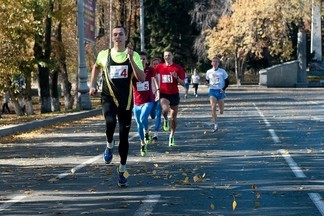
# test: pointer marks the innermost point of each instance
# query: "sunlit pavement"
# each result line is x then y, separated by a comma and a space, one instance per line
266, 159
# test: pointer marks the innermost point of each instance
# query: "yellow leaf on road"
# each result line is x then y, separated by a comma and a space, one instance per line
186, 181
234, 205
212, 206
126, 174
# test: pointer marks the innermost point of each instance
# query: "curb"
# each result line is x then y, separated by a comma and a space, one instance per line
20, 128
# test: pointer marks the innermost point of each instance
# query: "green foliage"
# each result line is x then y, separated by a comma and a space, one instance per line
168, 26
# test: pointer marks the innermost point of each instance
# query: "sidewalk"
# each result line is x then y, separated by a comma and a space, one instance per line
24, 127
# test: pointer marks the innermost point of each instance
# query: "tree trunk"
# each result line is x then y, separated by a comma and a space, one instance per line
18, 109
238, 81
45, 99
15, 102
62, 68
28, 96
55, 97
43, 70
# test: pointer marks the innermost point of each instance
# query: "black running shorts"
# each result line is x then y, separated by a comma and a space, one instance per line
173, 98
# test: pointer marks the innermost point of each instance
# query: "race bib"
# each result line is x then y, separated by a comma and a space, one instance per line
214, 80
167, 78
118, 71
143, 86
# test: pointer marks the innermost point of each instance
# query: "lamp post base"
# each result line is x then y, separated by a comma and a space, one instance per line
84, 101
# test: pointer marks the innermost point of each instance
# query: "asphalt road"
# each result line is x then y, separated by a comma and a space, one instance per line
267, 157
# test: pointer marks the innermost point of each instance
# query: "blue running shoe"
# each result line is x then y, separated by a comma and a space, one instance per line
108, 155
122, 178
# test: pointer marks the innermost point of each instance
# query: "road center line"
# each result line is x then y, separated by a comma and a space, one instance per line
315, 197
292, 164
274, 136
317, 200
262, 116
148, 204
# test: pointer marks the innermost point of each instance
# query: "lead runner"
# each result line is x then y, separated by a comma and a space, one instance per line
119, 65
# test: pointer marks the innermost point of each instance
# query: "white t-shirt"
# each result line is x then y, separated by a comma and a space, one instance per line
216, 78
195, 78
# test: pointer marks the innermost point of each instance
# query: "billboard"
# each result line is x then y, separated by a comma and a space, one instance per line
89, 11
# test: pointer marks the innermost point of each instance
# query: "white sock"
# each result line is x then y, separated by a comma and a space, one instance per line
110, 145
122, 168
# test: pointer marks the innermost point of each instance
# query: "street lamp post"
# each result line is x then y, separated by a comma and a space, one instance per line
142, 25
83, 88
316, 32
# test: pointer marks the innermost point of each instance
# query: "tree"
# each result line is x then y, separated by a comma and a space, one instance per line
168, 26
16, 57
255, 28
42, 49
62, 22
205, 15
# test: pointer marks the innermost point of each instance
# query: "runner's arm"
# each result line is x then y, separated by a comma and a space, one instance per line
94, 74
226, 84
136, 65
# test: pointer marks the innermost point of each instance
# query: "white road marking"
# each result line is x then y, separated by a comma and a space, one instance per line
76, 168
18, 198
262, 116
292, 164
315, 197
317, 200
148, 204
274, 136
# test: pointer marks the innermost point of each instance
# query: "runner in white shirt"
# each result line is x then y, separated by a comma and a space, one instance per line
195, 81
218, 82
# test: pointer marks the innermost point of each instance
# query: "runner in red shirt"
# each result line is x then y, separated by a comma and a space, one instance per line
143, 102
171, 75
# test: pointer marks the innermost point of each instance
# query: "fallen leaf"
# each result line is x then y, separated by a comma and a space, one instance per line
234, 204
257, 204
109, 172
126, 174
212, 206
197, 178
186, 181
